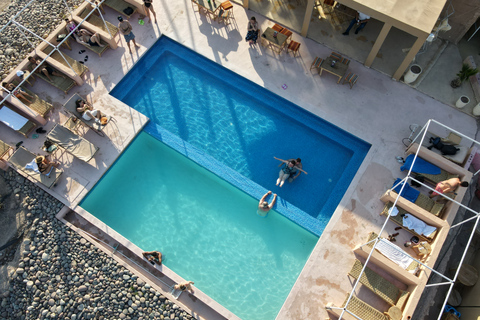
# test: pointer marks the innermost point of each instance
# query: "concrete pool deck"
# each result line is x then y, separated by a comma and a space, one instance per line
377, 110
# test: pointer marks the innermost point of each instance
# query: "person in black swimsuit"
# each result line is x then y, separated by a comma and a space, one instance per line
47, 70
147, 4
88, 38
153, 257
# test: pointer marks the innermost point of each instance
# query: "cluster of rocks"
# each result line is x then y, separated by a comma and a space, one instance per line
41, 17
60, 275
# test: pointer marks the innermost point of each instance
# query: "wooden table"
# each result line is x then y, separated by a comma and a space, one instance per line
395, 313
339, 70
277, 42
210, 7
468, 275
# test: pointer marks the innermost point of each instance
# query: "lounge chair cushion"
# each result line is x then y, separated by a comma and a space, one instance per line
363, 310
12, 119
22, 157
74, 144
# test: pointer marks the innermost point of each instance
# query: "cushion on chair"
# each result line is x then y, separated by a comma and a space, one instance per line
335, 55
346, 61
354, 79
316, 63
277, 27
294, 46
286, 32
227, 5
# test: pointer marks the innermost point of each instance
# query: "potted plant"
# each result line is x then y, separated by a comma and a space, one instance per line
465, 73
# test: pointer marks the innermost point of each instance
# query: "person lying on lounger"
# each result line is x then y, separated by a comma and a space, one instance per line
285, 172
87, 111
88, 38
186, 285
448, 186
19, 93
263, 206
44, 165
46, 70
153, 257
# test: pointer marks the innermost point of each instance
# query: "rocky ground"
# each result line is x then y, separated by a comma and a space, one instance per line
51, 272
41, 17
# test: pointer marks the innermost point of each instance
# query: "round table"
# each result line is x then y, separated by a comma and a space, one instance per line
455, 299
395, 313
468, 275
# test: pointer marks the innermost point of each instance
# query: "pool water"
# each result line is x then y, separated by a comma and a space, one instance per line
243, 126
207, 229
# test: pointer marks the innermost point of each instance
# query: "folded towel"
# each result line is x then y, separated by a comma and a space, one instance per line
420, 166
408, 192
12, 119
394, 253
417, 225
32, 166
393, 211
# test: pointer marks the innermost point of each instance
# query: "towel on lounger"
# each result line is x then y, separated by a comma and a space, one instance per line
420, 166
393, 211
418, 225
32, 166
408, 192
12, 119
394, 253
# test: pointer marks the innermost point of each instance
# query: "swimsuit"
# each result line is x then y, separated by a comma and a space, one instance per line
288, 170
438, 189
147, 4
50, 70
90, 42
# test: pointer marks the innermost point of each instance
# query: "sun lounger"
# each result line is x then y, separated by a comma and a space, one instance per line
431, 172
79, 68
72, 143
64, 84
16, 121
398, 219
401, 259
71, 108
379, 285
98, 22
421, 200
120, 6
4, 149
22, 157
38, 105
362, 309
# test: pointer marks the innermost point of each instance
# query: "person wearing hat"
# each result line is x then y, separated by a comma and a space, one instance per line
45, 166
126, 29
263, 206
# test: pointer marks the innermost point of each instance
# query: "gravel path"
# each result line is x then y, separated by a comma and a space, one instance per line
59, 275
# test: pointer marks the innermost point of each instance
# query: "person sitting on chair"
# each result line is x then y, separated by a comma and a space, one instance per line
45, 166
153, 257
87, 111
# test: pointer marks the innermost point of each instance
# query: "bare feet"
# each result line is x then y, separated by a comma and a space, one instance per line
278, 181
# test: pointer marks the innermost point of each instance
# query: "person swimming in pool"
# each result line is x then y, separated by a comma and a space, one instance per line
153, 257
263, 206
285, 172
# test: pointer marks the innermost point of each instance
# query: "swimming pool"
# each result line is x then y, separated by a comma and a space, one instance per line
203, 218
242, 126
207, 230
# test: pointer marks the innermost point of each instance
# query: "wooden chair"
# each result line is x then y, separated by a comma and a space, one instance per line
336, 56
317, 62
294, 47
224, 16
351, 79
277, 27
227, 6
288, 33
345, 61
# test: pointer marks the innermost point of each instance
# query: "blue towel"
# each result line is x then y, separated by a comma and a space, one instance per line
408, 192
420, 166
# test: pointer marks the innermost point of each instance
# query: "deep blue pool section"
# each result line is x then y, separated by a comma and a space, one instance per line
234, 128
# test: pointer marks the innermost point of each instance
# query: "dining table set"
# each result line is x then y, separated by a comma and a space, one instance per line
336, 65
216, 9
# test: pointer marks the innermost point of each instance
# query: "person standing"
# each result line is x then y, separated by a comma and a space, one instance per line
126, 29
360, 19
147, 4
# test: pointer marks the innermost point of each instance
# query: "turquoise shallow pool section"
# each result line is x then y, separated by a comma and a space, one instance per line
207, 229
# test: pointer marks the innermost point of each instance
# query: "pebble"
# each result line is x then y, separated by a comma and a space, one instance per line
63, 277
